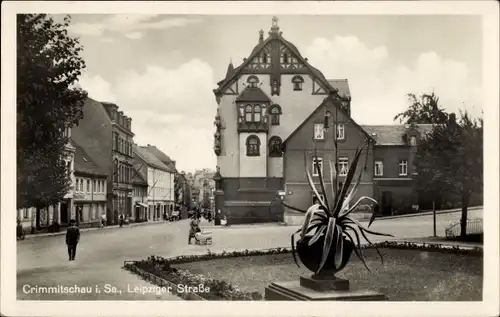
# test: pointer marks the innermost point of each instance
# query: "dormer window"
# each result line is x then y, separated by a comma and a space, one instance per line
253, 81
253, 113
264, 58
285, 58
275, 112
297, 82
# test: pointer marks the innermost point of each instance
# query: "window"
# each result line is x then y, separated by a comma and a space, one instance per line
285, 58
95, 188
297, 82
248, 113
340, 132
343, 166
253, 146
275, 149
115, 173
88, 186
413, 141
319, 132
115, 141
257, 111
68, 167
25, 212
264, 58
317, 164
275, 112
77, 185
379, 168
252, 81
403, 168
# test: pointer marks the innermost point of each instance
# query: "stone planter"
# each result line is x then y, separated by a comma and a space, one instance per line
310, 255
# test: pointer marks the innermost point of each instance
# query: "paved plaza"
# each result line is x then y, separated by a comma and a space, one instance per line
42, 261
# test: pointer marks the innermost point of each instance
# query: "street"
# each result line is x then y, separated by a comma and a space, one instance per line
100, 255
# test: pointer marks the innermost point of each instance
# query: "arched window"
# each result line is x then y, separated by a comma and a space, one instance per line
252, 81
248, 113
275, 147
275, 112
257, 112
297, 82
253, 146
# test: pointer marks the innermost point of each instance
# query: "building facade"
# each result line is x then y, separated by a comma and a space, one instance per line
123, 163
139, 195
271, 116
90, 190
160, 180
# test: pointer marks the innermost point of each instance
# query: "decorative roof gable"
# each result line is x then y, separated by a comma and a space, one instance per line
276, 56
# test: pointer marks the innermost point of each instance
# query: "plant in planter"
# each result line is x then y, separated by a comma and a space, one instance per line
329, 235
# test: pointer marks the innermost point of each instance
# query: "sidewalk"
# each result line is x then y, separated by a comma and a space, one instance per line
442, 241
63, 232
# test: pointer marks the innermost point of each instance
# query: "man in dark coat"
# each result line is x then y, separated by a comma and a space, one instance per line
72, 239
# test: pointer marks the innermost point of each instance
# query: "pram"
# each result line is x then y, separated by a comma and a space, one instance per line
203, 237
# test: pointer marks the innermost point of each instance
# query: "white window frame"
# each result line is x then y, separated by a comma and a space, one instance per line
380, 164
317, 134
344, 161
319, 161
340, 128
413, 140
403, 168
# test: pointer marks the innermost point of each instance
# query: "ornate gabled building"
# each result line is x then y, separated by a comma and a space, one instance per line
260, 103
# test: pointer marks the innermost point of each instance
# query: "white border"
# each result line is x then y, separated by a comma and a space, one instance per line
489, 307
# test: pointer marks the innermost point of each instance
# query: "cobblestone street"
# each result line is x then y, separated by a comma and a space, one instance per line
43, 261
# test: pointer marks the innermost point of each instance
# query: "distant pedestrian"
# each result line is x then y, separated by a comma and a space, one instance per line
72, 239
122, 219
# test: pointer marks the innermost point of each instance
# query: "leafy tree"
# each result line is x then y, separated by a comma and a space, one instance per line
450, 159
422, 110
206, 200
48, 66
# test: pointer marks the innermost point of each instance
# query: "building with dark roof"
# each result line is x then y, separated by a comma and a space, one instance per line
270, 110
160, 180
90, 189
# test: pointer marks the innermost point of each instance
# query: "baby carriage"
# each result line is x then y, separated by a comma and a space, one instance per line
202, 237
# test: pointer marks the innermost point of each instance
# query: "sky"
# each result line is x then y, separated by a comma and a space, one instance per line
161, 69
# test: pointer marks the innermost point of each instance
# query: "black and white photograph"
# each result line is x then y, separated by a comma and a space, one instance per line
251, 154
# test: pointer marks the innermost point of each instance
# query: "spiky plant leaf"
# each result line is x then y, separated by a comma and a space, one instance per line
361, 227
348, 180
321, 182
333, 176
350, 196
327, 245
358, 254
358, 240
374, 214
293, 208
311, 184
360, 200
317, 235
309, 214
293, 250
369, 242
339, 250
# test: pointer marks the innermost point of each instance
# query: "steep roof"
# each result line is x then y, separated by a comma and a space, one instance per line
164, 158
93, 134
149, 158
393, 134
274, 35
84, 163
329, 99
252, 94
342, 85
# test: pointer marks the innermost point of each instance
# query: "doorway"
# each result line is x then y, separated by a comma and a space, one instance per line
387, 203
64, 213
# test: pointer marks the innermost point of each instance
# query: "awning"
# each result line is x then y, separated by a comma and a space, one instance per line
141, 204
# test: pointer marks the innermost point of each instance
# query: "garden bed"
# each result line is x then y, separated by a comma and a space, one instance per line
410, 272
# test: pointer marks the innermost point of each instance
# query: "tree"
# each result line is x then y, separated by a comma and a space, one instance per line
423, 110
450, 159
48, 66
206, 200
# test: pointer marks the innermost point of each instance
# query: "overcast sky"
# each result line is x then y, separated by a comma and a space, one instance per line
161, 69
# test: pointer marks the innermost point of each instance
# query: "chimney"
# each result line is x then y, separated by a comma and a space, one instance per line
261, 36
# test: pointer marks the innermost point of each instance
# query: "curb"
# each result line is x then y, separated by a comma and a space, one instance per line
246, 226
60, 233
427, 213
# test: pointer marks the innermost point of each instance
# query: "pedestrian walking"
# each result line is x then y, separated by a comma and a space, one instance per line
72, 239
122, 220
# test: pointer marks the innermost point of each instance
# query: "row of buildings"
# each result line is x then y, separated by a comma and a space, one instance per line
111, 175
274, 111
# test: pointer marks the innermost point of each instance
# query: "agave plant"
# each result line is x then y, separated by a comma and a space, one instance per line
329, 222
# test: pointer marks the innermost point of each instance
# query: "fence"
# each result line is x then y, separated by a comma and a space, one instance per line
474, 227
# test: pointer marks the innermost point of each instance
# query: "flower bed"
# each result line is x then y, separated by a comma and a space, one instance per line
219, 277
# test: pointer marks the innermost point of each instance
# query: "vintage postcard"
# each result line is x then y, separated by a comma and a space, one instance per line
250, 158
